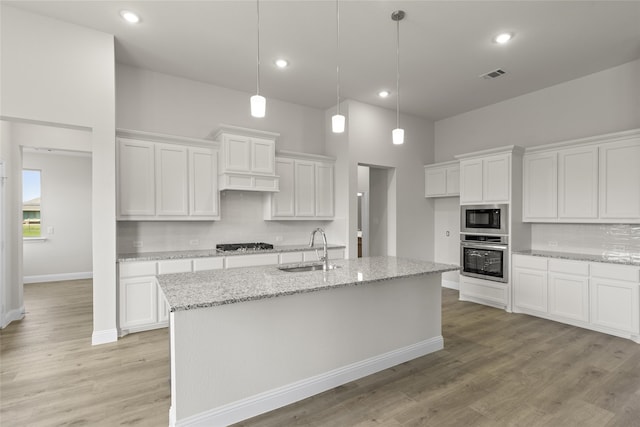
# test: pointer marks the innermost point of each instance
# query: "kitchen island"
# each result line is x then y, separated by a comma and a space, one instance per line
249, 340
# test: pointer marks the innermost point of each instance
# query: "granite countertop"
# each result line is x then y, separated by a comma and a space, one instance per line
158, 256
633, 260
185, 291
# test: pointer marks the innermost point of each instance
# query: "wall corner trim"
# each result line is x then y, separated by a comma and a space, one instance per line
12, 315
104, 336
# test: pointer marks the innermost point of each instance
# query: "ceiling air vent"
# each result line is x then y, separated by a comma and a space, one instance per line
493, 74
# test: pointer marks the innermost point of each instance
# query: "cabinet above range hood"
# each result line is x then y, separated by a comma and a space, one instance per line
247, 159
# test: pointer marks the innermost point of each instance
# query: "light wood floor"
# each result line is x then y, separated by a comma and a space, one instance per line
497, 369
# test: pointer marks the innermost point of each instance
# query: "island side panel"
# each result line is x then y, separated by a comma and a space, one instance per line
224, 355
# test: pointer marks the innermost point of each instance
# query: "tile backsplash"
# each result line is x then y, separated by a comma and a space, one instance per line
612, 241
242, 221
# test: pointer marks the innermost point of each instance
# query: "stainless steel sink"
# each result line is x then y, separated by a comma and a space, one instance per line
302, 268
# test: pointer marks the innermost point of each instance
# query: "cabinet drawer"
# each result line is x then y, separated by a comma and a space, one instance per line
288, 257
133, 269
533, 262
569, 267
616, 272
251, 260
213, 263
174, 266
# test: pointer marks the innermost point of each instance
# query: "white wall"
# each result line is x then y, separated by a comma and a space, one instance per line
62, 74
367, 141
66, 207
155, 102
604, 102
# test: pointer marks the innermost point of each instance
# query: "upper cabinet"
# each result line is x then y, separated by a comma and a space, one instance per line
593, 180
247, 160
162, 177
306, 188
442, 179
486, 177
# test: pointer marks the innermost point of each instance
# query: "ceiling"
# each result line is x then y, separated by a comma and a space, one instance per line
444, 46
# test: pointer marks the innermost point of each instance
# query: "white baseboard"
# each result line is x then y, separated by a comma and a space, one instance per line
12, 315
285, 395
104, 337
58, 277
450, 284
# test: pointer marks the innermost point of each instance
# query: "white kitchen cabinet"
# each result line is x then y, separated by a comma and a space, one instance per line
305, 184
306, 188
615, 305
162, 180
313, 255
204, 198
569, 289
486, 179
172, 180
282, 202
529, 284
620, 180
247, 159
488, 292
540, 186
251, 260
138, 303
136, 178
442, 179
324, 190
591, 180
291, 257
578, 183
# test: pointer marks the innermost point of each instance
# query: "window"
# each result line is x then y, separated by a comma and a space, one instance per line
31, 203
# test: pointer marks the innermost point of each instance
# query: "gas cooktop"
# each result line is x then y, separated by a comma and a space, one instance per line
243, 247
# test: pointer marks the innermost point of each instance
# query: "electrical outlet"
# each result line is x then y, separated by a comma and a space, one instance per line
278, 238
446, 233
50, 229
137, 243
194, 242
553, 243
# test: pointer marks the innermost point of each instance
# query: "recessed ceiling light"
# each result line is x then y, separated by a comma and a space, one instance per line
282, 63
503, 38
384, 93
129, 16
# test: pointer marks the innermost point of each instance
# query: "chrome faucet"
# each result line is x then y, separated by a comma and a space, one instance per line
325, 254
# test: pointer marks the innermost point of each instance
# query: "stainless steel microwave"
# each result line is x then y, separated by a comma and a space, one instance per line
484, 219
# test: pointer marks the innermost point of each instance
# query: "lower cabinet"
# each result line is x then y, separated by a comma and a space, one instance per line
599, 296
488, 292
138, 303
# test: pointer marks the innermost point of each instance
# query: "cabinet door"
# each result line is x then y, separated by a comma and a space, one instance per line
282, 204
203, 182
578, 183
136, 178
620, 180
305, 188
237, 153
172, 183
615, 304
251, 260
569, 296
435, 182
324, 190
540, 186
453, 181
138, 302
530, 289
262, 156
496, 179
471, 181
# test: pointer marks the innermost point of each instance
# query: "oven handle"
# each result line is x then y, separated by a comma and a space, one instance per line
483, 246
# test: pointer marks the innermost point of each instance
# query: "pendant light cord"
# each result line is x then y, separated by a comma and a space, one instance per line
258, 53
398, 73
337, 57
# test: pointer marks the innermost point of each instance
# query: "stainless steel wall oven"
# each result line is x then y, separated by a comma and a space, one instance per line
485, 257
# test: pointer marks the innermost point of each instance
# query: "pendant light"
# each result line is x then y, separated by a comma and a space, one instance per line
337, 121
398, 133
258, 102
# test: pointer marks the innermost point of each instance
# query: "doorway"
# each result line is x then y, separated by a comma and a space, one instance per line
376, 225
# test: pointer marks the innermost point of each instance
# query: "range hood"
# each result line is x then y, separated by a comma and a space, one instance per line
247, 159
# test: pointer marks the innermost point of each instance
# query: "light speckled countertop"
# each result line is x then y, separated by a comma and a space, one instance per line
203, 253
185, 291
633, 260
